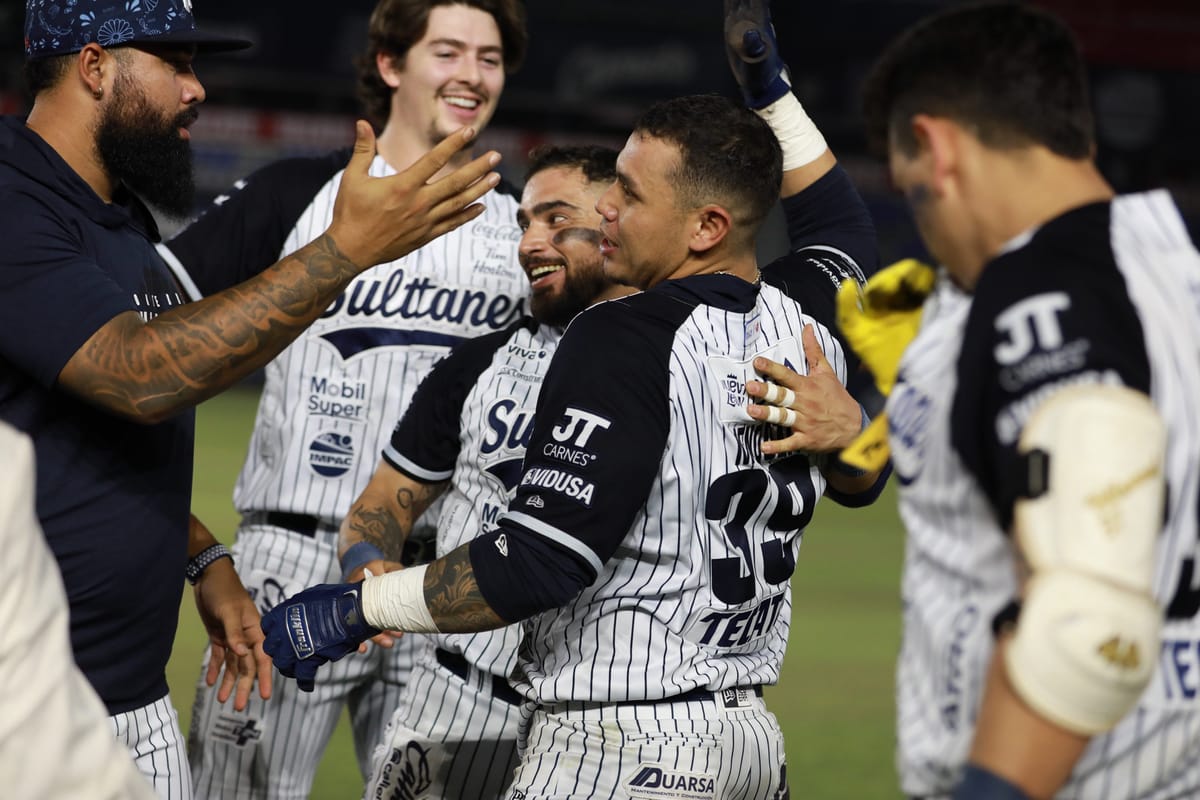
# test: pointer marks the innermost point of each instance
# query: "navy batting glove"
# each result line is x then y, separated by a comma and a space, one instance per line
754, 53
316, 626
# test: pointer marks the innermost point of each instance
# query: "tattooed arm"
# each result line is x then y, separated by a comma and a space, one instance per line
453, 596
385, 512
148, 371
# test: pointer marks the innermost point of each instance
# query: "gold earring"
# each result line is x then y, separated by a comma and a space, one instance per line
98, 92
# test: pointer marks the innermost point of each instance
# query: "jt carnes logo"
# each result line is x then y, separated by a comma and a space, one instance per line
577, 426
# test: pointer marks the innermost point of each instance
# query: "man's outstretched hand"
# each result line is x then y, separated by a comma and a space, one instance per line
376, 220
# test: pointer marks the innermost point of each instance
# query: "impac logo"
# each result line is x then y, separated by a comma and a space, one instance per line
578, 426
331, 455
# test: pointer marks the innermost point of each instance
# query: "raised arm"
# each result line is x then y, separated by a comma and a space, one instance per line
754, 57
830, 231
149, 370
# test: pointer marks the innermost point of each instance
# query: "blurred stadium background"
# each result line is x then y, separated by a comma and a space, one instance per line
592, 67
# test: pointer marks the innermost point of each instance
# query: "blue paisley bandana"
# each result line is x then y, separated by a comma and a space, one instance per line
55, 27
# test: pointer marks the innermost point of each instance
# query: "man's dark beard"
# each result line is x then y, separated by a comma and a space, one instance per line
578, 292
144, 150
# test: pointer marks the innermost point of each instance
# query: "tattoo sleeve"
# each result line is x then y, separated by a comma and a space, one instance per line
453, 595
150, 370
386, 525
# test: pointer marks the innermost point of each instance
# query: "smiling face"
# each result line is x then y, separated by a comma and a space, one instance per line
560, 243
452, 77
645, 232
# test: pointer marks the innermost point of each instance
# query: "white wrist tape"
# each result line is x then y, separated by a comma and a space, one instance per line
395, 601
798, 137
1087, 641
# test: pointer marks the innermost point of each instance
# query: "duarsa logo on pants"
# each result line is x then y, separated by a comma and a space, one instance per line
655, 782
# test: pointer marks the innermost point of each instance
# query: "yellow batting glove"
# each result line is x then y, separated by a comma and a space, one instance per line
881, 318
870, 450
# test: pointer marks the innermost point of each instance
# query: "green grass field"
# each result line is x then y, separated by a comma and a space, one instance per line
835, 697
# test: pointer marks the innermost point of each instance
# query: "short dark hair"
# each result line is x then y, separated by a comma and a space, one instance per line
396, 25
598, 164
727, 154
1012, 74
44, 73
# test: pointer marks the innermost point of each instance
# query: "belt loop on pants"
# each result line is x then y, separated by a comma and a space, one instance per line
455, 662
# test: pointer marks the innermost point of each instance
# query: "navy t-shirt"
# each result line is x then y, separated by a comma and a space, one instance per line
112, 495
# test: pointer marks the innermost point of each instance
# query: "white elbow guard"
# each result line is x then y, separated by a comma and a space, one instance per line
1088, 635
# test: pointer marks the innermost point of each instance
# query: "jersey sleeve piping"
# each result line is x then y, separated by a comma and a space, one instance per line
413, 469
559, 537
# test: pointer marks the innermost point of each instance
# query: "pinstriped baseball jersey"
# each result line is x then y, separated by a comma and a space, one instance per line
947, 608
330, 395
469, 423
643, 416
1107, 293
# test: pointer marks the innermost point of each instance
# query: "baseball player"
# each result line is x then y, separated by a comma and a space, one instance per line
431, 66
464, 433
651, 540
1041, 426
